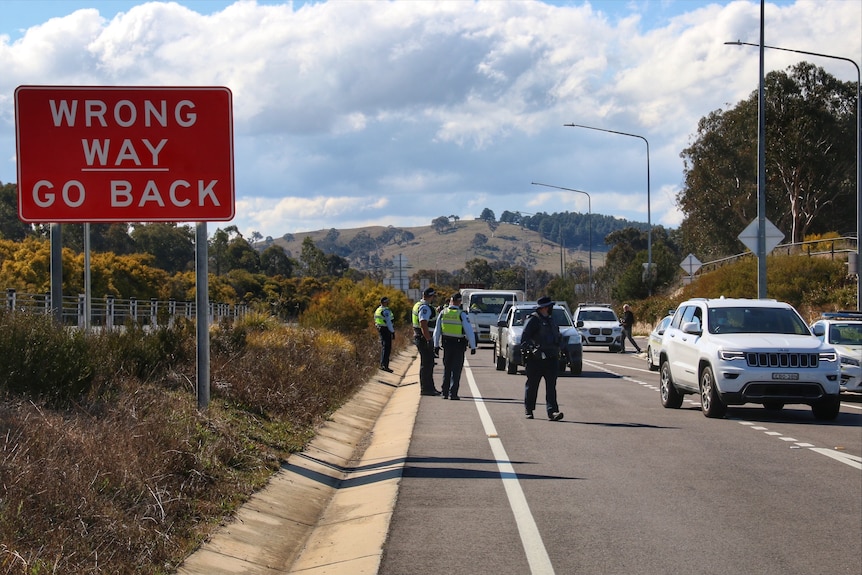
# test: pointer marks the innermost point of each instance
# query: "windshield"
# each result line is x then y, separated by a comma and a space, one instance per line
561, 318
488, 303
756, 320
521, 315
597, 315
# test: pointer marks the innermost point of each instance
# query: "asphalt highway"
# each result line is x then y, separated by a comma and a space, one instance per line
398, 484
622, 485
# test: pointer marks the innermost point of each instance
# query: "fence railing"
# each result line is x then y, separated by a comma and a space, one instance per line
111, 312
833, 248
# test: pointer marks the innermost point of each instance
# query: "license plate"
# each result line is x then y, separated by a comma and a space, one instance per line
786, 376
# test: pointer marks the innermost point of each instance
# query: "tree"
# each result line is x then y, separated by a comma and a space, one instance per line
810, 163
275, 262
441, 224
487, 215
172, 246
11, 228
479, 241
478, 270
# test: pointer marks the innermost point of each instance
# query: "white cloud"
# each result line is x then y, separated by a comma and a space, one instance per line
354, 113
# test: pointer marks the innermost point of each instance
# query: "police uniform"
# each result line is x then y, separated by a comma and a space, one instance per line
454, 331
543, 335
383, 323
423, 311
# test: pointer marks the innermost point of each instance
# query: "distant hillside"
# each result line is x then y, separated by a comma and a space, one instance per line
426, 248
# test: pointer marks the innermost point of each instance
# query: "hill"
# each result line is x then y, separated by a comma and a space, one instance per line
427, 248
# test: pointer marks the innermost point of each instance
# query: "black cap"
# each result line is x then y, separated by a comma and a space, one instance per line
545, 301
456, 296
429, 292
384, 300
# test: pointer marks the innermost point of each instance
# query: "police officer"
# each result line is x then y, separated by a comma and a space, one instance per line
424, 316
383, 323
540, 347
453, 329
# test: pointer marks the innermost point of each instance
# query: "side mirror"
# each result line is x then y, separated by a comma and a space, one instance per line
501, 323
819, 330
692, 327
580, 323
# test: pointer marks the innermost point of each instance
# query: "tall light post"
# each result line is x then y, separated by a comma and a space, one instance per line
858, 153
589, 222
649, 216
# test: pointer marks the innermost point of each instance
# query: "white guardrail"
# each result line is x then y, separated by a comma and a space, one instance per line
110, 311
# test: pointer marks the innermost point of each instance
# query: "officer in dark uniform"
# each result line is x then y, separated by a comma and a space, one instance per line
540, 347
424, 320
383, 323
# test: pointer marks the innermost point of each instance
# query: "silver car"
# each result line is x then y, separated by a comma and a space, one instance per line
654, 342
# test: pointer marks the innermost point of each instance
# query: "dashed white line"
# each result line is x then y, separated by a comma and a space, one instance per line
847, 459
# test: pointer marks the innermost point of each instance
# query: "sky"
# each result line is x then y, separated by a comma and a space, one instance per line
354, 113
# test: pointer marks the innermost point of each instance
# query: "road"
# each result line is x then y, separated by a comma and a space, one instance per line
622, 485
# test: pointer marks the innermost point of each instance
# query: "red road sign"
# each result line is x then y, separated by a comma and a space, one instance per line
124, 154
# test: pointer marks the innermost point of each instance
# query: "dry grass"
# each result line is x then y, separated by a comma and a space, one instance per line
449, 251
130, 477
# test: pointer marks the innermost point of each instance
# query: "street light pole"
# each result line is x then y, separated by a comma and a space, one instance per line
858, 153
649, 217
589, 223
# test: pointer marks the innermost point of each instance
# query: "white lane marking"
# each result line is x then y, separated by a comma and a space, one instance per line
534, 547
846, 458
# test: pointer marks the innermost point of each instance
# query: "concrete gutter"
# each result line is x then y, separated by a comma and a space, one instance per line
327, 511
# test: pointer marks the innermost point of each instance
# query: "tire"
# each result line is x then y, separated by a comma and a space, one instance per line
652, 366
710, 403
511, 368
826, 410
577, 368
671, 398
773, 406
499, 359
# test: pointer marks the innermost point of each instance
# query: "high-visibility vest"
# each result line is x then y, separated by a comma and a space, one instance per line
451, 325
416, 307
379, 320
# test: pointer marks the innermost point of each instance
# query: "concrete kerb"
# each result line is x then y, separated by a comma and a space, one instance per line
327, 511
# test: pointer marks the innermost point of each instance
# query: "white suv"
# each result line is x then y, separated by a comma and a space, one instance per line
843, 330
599, 325
736, 351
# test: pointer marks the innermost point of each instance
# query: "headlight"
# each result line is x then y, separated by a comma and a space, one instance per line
847, 360
830, 356
727, 355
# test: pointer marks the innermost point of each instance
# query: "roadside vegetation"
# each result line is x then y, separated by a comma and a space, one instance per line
106, 464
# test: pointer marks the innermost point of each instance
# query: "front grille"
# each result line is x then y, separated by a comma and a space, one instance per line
601, 331
776, 359
782, 391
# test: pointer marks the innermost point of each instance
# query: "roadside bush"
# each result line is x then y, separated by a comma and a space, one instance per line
145, 355
128, 477
40, 361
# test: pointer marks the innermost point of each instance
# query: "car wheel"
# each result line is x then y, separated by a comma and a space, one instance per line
501, 361
511, 367
826, 410
710, 403
671, 398
650, 363
577, 368
773, 406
